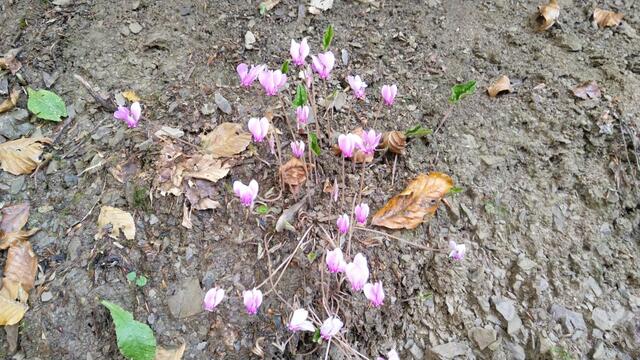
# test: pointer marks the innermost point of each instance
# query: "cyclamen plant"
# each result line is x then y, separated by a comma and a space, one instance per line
304, 106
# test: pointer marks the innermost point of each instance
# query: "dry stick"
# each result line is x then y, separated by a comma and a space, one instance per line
273, 287
104, 102
422, 247
393, 170
285, 263
624, 143
444, 119
359, 197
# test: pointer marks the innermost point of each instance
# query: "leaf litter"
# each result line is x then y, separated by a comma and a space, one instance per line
605, 18
500, 86
587, 90
22, 156
119, 220
11, 102
548, 15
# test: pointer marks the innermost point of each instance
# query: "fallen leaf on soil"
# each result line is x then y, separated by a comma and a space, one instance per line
207, 168
11, 102
587, 90
226, 140
10, 62
171, 352
169, 131
125, 171
394, 141
501, 86
131, 95
548, 14
200, 194
21, 266
11, 311
170, 170
186, 217
119, 219
285, 219
293, 173
606, 18
22, 156
415, 204
14, 217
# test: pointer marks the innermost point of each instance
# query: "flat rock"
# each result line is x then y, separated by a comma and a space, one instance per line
449, 350
249, 40
506, 308
605, 320
187, 300
223, 104
9, 127
135, 27
571, 320
483, 337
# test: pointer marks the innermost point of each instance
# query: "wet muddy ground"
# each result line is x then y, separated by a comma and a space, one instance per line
550, 207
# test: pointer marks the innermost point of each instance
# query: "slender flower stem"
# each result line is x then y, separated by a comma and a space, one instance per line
286, 262
343, 176
444, 119
357, 196
376, 114
326, 355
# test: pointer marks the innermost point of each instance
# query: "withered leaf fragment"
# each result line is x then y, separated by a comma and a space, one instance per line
394, 141
502, 85
417, 203
226, 140
293, 173
207, 168
606, 18
10, 62
119, 219
22, 156
587, 90
21, 266
548, 14
170, 352
11, 102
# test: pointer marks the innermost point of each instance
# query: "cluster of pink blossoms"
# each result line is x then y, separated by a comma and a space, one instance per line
252, 299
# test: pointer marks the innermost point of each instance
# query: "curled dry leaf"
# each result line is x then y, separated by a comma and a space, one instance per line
14, 217
22, 156
11, 311
170, 170
10, 62
207, 168
548, 14
21, 266
226, 140
587, 90
119, 219
501, 86
200, 194
394, 141
11, 102
294, 173
415, 204
606, 18
170, 352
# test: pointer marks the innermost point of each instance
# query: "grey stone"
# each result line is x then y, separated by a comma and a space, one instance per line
506, 308
571, 42
472, 218
517, 351
602, 319
207, 109
4, 86
70, 180
16, 185
223, 104
593, 285
187, 300
449, 350
483, 337
46, 296
514, 325
135, 27
416, 352
340, 100
525, 263
249, 40
571, 320
491, 160
8, 123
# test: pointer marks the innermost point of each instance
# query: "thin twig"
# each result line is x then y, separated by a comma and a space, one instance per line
104, 102
285, 263
422, 247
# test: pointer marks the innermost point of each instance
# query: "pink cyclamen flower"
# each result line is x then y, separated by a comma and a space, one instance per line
297, 148
343, 223
370, 141
247, 194
212, 298
272, 81
308, 77
323, 64
248, 76
299, 52
374, 292
362, 212
252, 300
389, 94
357, 85
347, 143
330, 327
130, 116
335, 261
299, 321
457, 250
258, 128
302, 115
357, 272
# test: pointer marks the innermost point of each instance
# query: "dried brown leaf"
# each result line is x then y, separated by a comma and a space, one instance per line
14, 217
119, 219
226, 140
8, 239
11, 102
170, 352
548, 14
10, 62
606, 18
131, 95
502, 85
415, 204
293, 173
22, 156
200, 193
21, 265
11, 311
186, 217
207, 168
587, 90
394, 141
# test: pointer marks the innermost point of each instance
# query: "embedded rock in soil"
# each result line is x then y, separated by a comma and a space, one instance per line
8, 127
187, 300
571, 320
449, 350
483, 337
223, 104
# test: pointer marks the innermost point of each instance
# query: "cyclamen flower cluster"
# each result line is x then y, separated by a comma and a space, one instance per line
131, 116
368, 143
357, 274
252, 300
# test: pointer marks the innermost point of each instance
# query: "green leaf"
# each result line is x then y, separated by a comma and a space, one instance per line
327, 38
141, 281
46, 105
314, 145
418, 131
262, 209
285, 67
263, 8
312, 256
455, 190
316, 337
135, 339
132, 276
301, 96
459, 91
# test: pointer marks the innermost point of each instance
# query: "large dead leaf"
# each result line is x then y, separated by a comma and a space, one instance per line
200, 194
11, 311
11, 102
170, 353
501, 86
10, 62
293, 173
22, 156
14, 217
226, 140
606, 18
170, 170
415, 204
587, 90
21, 266
207, 168
548, 14
119, 219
